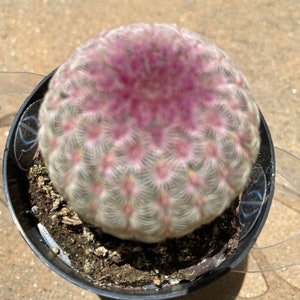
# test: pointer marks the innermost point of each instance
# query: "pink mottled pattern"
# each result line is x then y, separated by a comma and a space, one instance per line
149, 131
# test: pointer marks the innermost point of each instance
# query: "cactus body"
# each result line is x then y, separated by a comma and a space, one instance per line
149, 131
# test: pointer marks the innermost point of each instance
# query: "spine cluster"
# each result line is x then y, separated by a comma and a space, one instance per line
149, 131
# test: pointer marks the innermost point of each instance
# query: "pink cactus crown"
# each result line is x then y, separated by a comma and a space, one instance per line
150, 76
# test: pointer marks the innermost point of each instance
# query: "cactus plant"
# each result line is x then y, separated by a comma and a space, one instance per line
149, 131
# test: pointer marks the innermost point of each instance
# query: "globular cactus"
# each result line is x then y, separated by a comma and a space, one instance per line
149, 131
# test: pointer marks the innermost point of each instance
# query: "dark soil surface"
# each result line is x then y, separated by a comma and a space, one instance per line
109, 261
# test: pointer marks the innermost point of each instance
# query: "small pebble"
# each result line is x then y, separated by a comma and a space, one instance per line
56, 204
55, 250
156, 281
174, 281
35, 210
71, 221
101, 251
41, 181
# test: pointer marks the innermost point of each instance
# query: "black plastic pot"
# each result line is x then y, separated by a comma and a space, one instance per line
20, 148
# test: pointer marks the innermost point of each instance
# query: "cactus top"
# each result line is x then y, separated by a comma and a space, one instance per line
149, 131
